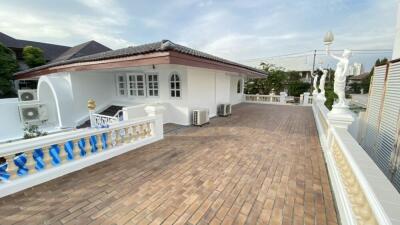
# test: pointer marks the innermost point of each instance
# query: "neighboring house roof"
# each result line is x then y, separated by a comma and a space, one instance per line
8, 41
87, 48
50, 51
175, 54
359, 77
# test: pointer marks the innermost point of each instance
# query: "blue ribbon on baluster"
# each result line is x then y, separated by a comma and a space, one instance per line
81, 145
4, 175
69, 149
55, 155
20, 161
93, 143
104, 140
38, 157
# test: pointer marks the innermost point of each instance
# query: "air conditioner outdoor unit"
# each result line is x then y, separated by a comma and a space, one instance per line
200, 117
33, 114
224, 109
27, 95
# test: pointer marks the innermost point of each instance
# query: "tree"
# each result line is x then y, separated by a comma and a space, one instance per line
8, 66
33, 56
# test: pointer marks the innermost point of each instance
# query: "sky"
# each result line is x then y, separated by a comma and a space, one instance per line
239, 30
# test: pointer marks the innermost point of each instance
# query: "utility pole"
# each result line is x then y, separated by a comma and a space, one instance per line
313, 64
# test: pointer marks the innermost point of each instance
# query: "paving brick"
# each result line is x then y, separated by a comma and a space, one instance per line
262, 165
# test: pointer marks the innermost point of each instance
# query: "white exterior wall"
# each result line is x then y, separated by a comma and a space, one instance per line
11, 125
200, 88
236, 98
208, 88
98, 86
176, 108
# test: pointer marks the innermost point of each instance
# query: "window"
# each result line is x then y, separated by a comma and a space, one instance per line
239, 86
152, 84
175, 85
136, 84
121, 85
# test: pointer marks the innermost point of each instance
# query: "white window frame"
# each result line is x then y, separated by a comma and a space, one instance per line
175, 89
118, 82
134, 90
152, 85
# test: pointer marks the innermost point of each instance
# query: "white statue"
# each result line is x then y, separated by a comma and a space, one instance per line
321, 95
315, 80
340, 76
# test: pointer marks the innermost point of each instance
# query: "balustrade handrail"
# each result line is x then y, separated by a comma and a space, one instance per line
44, 141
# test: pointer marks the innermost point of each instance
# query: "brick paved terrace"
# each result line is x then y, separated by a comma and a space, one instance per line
262, 165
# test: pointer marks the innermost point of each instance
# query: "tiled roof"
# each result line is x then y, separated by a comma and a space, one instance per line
87, 48
8, 41
50, 51
162, 46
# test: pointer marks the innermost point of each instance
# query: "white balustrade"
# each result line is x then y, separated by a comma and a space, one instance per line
279, 99
26, 163
362, 192
264, 99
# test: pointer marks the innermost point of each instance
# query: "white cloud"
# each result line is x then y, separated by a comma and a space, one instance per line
62, 29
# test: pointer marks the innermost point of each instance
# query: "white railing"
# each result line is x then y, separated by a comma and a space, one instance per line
26, 163
278, 99
362, 192
274, 99
103, 120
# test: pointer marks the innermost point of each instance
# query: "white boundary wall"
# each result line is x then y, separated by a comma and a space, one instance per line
362, 192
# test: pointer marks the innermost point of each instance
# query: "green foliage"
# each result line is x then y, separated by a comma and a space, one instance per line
32, 131
8, 66
33, 56
297, 88
277, 81
329, 94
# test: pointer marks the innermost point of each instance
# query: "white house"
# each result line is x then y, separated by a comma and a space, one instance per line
178, 77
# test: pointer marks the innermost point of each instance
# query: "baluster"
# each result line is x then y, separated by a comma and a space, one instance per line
142, 131
46, 157
10, 168
4, 175
149, 129
30, 162
127, 135
20, 161
104, 140
38, 157
63, 154
131, 133
109, 139
99, 138
93, 143
69, 150
88, 147
137, 133
54, 152
82, 147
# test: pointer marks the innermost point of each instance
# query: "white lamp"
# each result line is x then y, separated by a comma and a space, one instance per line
328, 39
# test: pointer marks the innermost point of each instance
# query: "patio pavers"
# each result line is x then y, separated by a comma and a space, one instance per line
262, 165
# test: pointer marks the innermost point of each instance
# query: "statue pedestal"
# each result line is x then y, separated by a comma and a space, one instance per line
341, 116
